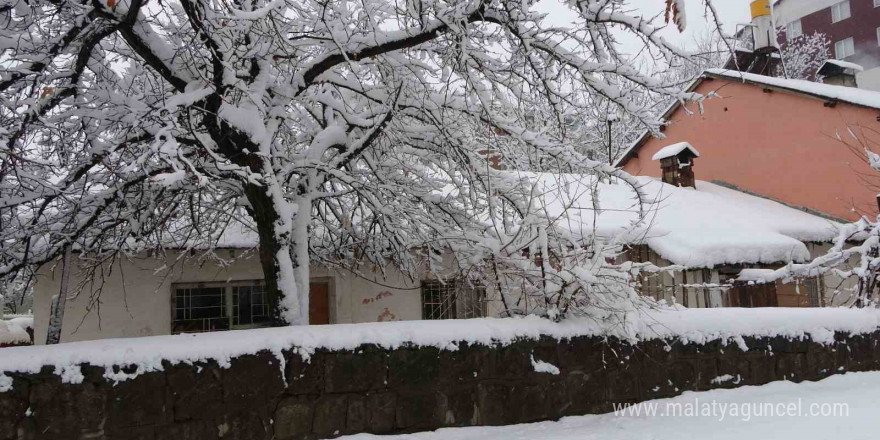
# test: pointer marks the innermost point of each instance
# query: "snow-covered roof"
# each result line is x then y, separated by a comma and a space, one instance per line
674, 150
237, 234
851, 95
843, 64
709, 226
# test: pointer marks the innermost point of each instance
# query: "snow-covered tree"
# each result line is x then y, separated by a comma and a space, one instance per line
343, 131
803, 55
16, 293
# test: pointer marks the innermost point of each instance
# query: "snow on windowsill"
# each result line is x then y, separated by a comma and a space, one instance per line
688, 325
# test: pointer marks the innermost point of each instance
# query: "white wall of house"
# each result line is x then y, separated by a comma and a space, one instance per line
869, 79
135, 298
837, 291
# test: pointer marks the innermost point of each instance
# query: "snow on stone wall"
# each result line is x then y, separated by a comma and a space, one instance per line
388, 386
687, 325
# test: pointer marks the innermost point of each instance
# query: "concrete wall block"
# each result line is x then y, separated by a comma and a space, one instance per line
331, 413
348, 372
414, 367
14, 404
293, 418
421, 411
382, 411
461, 406
196, 392
733, 365
305, 375
252, 381
467, 364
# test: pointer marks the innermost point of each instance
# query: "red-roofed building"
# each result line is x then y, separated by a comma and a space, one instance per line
788, 140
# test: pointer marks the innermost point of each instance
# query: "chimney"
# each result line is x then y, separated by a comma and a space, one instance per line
839, 73
763, 34
677, 164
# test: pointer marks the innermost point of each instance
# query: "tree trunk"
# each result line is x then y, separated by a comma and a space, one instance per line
59, 302
265, 215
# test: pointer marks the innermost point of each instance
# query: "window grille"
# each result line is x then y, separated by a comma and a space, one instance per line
201, 309
249, 305
452, 300
211, 307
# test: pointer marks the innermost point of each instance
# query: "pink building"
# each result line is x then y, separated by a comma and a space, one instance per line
797, 142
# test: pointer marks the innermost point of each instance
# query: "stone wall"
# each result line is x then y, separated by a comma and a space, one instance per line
378, 390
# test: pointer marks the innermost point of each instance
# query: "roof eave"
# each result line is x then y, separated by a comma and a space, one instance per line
666, 114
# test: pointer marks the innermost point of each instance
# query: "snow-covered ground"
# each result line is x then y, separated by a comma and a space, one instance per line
790, 405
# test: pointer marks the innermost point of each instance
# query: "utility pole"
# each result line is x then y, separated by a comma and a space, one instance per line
609, 119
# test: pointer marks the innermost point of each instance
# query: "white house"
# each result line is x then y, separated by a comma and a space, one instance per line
711, 230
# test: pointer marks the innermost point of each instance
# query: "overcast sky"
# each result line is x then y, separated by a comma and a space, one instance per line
731, 12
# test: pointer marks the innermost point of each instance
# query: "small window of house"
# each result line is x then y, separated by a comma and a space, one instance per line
840, 11
878, 35
876, 3
208, 307
199, 309
844, 48
452, 299
794, 30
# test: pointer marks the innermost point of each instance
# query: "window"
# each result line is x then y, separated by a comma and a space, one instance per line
249, 305
199, 309
844, 48
208, 307
878, 35
876, 3
794, 30
840, 11
452, 300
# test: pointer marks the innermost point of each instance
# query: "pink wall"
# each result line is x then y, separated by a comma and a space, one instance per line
780, 144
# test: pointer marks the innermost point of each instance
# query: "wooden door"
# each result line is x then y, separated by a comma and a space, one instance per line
753, 295
319, 302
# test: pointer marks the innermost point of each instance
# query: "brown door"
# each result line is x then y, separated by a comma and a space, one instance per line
319, 303
753, 295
